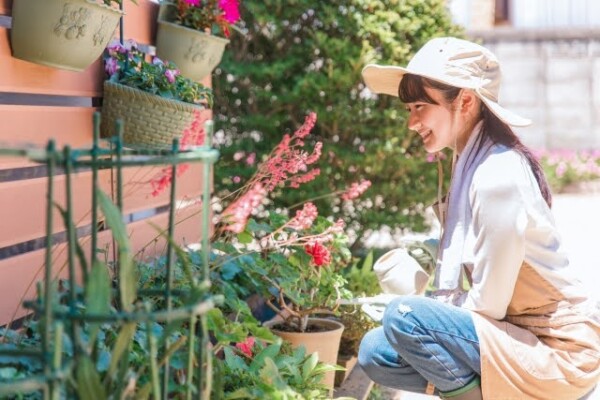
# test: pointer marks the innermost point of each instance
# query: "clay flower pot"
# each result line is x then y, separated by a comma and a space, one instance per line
66, 34
324, 339
195, 53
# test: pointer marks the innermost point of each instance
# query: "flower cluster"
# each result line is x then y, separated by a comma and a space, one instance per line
126, 64
565, 167
193, 135
293, 261
356, 189
288, 163
219, 15
319, 253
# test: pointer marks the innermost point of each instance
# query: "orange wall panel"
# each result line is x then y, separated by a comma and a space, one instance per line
23, 206
140, 21
35, 125
24, 77
19, 274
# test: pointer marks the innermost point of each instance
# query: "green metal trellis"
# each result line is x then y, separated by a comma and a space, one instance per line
53, 380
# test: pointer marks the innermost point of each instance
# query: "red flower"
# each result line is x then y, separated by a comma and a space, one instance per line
246, 346
319, 253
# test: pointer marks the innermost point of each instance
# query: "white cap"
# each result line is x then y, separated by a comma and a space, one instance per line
452, 61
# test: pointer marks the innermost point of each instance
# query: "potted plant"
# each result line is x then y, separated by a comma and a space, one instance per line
293, 259
66, 34
193, 33
154, 101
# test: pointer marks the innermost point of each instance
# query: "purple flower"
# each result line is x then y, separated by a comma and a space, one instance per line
115, 48
171, 74
111, 66
130, 45
157, 61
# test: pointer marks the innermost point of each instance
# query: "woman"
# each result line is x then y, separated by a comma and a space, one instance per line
523, 328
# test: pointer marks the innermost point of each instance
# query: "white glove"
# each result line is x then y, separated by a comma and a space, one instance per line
373, 306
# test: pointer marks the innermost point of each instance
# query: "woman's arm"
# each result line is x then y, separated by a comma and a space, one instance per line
499, 199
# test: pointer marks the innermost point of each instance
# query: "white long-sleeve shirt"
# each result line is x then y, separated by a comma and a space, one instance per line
499, 219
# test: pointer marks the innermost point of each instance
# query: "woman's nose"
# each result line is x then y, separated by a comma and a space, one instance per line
413, 122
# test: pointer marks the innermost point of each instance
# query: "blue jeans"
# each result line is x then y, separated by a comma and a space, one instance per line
422, 340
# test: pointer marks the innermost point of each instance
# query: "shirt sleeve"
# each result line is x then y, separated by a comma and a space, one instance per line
499, 207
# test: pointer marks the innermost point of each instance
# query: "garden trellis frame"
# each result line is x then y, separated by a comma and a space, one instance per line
59, 322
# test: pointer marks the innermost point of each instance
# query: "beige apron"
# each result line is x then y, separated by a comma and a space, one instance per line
547, 347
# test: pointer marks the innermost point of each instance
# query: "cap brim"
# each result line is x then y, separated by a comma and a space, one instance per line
385, 79
505, 115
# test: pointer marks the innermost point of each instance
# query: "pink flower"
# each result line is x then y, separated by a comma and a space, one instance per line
237, 213
171, 74
195, 3
304, 218
238, 155
251, 159
356, 189
320, 254
231, 9
237, 179
111, 66
193, 135
246, 346
287, 160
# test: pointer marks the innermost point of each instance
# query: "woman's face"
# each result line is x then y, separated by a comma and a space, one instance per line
435, 123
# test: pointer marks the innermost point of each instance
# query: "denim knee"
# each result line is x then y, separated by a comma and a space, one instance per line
398, 316
370, 346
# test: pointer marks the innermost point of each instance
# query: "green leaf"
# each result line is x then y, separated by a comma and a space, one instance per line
127, 273
121, 346
89, 386
309, 365
233, 361
259, 359
367, 265
245, 237
97, 295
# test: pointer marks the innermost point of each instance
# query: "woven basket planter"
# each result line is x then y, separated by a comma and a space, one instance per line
150, 121
66, 34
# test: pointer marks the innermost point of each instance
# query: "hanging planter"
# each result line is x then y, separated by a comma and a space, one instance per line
195, 53
66, 34
150, 121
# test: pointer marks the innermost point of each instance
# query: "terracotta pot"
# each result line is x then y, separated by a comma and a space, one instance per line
326, 343
66, 34
194, 53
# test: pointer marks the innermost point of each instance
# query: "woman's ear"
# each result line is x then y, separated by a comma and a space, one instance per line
469, 103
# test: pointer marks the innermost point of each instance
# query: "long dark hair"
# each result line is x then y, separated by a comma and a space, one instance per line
412, 89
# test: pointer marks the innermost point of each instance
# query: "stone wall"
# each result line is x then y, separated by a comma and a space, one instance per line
552, 77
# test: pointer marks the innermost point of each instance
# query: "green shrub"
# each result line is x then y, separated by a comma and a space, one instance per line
306, 55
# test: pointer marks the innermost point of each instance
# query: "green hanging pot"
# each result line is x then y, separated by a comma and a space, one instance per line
66, 34
194, 53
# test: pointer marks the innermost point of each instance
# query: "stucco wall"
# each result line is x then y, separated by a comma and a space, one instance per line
552, 77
